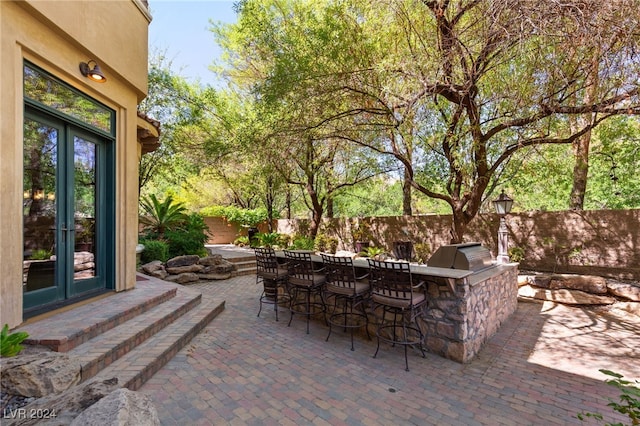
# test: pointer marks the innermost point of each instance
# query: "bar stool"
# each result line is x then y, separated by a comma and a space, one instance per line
344, 285
273, 276
393, 291
303, 278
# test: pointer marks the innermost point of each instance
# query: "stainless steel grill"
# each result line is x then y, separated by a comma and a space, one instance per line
467, 256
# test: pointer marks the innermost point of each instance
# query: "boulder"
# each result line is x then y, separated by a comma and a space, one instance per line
39, 374
187, 260
564, 296
187, 277
62, 408
214, 259
222, 268
120, 407
183, 269
587, 283
624, 290
160, 273
152, 267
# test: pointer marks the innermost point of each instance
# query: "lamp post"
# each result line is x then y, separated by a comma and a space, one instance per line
503, 206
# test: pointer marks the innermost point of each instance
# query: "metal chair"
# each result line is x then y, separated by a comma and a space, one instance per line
271, 275
303, 278
393, 291
345, 286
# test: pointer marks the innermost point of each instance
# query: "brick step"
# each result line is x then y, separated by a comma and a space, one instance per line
66, 330
135, 367
104, 349
244, 271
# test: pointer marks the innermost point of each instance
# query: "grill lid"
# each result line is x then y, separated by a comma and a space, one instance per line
466, 256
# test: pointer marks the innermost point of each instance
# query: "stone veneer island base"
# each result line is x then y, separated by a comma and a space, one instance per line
462, 314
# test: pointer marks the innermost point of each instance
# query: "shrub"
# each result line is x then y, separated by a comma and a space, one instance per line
10, 344
301, 242
629, 404
325, 243
241, 241
372, 252
161, 216
154, 250
270, 239
185, 242
516, 254
423, 252
41, 254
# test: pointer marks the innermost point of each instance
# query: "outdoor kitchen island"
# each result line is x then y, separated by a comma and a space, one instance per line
467, 304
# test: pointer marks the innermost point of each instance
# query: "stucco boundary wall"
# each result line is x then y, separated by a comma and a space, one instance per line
598, 242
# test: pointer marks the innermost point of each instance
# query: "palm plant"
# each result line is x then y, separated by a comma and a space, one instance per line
160, 216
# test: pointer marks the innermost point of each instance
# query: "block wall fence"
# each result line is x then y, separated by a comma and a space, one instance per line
598, 242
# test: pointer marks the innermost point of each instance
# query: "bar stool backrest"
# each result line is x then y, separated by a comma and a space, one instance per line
391, 280
340, 272
300, 266
266, 261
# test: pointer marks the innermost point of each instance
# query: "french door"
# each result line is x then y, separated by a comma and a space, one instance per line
65, 215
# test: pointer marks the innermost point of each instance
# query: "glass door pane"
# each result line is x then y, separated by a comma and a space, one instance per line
41, 146
84, 213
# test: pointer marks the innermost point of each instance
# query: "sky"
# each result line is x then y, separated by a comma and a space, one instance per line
180, 28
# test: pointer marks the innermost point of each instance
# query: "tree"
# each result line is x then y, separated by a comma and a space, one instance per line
480, 81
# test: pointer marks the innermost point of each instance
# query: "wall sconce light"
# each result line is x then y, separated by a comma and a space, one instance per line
94, 73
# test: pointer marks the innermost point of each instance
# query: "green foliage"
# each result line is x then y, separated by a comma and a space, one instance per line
10, 344
423, 252
301, 242
160, 216
371, 252
154, 250
629, 401
189, 238
41, 254
243, 217
516, 254
325, 243
269, 239
241, 241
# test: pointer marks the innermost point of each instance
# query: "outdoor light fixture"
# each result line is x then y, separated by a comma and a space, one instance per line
503, 206
94, 73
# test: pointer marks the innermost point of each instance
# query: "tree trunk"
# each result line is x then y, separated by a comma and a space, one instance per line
581, 145
406, 194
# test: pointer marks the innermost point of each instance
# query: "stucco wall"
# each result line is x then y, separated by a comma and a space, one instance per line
57, 36
602, 242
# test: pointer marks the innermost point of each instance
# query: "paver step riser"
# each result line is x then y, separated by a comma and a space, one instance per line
248, 258
93, 364
241, 272
134, 377
67, 343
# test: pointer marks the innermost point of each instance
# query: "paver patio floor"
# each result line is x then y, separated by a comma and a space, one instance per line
540, 368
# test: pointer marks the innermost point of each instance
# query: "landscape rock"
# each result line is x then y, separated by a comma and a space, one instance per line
152, 267
121, 407
65, 406
624, 290
39, 374
214, 259
186, 260
565, 296
587, 283
177, 270
187, 277
160, 273
630, 307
